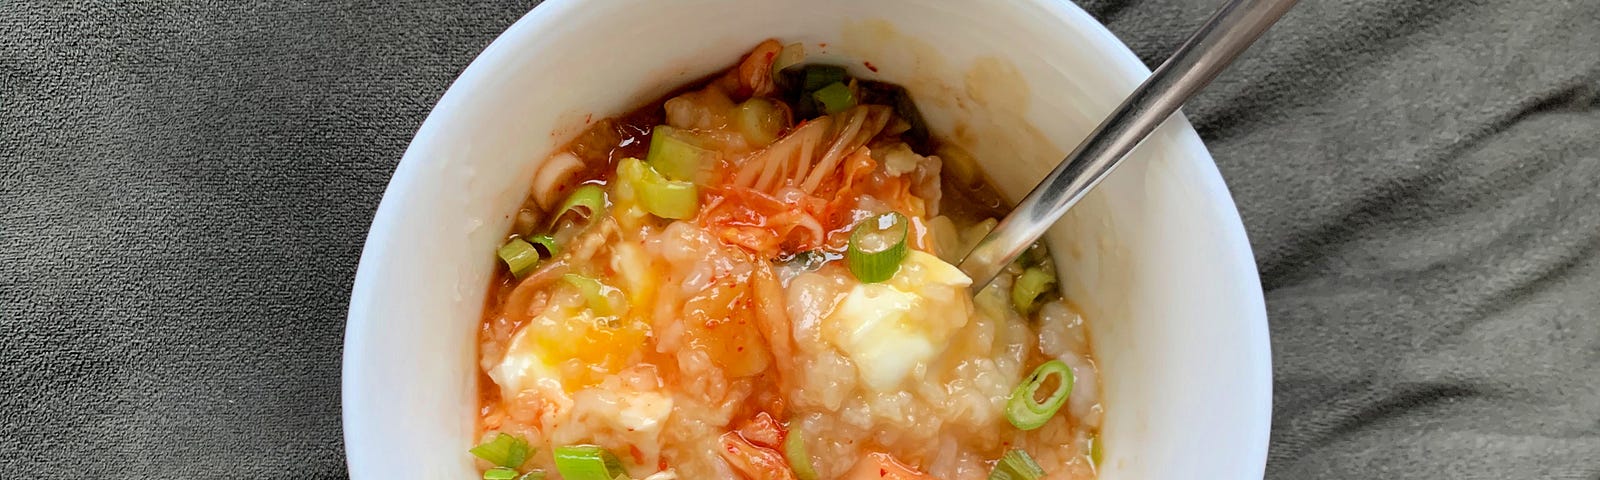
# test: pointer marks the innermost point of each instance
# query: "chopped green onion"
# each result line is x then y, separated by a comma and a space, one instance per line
802, 80
835, 98
792, 54
877, 246
674, 154
499, 473
759, 121
662, 197
519, 255
587, 202
1035, 255
533, 475
505, 450
588, 462
1029, 286
594, 293
818, 76
1095, 453
1015, 464
546, 245
669, 199
794, 449
1027, 413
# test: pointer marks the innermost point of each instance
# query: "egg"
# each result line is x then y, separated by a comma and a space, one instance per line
524, 367
887, 329
636, 272
566, 347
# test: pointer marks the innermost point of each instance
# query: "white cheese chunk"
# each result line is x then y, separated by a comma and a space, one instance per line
888, 329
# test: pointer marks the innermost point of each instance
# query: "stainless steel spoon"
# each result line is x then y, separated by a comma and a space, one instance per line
1229, 31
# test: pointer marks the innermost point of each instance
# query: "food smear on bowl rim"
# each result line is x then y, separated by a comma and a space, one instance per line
754, 278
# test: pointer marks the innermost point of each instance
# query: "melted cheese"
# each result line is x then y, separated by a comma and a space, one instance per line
524, 367
888, 329
567, 347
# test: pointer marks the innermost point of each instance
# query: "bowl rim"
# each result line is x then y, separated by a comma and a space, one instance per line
408, 174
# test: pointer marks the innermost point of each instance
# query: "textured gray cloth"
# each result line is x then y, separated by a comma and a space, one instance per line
185, 187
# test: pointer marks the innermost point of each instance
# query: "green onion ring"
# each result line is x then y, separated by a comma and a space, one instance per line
504, 450
792, 54
1029, 286
1015, 464
594, 293
533, 475
794, 449
877, 245
835, 98
674, 154
587, 202
520, 256
587, 462
546, 245
1026, 413
661, 197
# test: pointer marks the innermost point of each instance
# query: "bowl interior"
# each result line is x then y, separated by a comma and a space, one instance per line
1156, 257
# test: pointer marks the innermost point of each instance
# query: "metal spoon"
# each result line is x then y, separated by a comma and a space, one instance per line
1229, 31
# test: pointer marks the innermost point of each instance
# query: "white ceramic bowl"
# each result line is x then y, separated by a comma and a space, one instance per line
1156, 257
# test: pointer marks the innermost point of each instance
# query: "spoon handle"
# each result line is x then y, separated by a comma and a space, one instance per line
1229, 31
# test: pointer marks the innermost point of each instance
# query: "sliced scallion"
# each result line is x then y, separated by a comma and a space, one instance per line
818, 76
499, 473
1024, 410
877, 245
670, 199
658, 195
759, 121
593, 292
504, 450
1096, 452
1029, 286
674, 154
545, 244
794, 449
792, 54
587, 202
1035, 255
835, 98
533, 475
519, 255
588, 462
1015, 464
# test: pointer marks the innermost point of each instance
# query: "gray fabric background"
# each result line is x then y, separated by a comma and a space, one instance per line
185, 187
